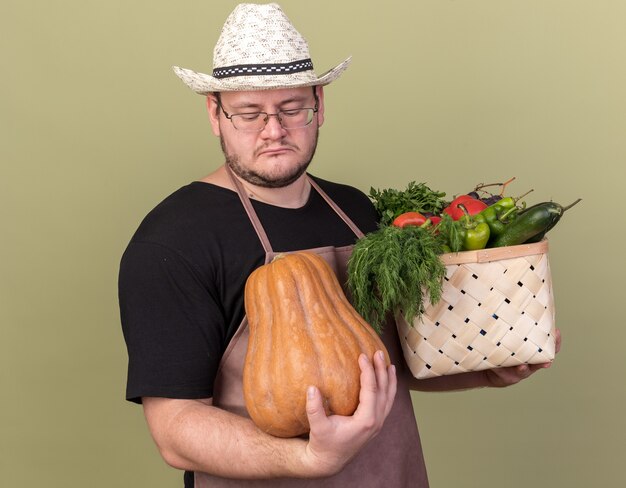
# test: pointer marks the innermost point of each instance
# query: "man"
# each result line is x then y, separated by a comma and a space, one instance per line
183, 273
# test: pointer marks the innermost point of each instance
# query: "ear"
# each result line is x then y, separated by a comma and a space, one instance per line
214, 115
320, 109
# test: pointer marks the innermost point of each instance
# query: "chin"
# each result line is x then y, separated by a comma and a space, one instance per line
278, 179
278, 176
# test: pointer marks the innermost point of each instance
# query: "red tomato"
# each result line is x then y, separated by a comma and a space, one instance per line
409, 218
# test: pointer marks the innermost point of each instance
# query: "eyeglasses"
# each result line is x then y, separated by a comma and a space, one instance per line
256, 121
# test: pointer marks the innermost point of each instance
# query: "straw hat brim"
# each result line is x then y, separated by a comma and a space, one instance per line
204, 84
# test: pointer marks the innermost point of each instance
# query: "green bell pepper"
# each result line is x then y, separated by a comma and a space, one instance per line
476, 233
499, 215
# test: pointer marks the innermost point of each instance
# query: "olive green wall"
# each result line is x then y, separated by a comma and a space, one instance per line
96, 129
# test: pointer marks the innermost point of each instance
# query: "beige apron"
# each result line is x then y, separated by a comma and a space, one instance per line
393, 459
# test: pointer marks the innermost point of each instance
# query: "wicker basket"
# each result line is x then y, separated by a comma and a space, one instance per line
497, 309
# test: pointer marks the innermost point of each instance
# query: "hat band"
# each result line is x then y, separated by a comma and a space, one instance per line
263, 69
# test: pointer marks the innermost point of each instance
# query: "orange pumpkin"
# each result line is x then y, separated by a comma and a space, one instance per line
303, 331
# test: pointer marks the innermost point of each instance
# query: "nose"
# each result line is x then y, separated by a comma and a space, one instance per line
273, 128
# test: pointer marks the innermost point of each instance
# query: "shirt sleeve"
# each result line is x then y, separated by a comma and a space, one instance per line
172, 325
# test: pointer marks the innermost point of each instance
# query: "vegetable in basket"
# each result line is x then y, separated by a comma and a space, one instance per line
497, 217
394, 268
476, 232
410, 218
397, 266
418, 197
464, 204
532, 224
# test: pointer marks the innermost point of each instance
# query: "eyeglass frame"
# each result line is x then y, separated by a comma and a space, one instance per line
267, 115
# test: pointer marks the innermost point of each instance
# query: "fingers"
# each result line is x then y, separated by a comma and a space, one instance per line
393, 388
389, 372
378, 386
386, 385
315, 408
381, 373
557, 337
501, 377
511, 375
335, 439
367, 395
378, 390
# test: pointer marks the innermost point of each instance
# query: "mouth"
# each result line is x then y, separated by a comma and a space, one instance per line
274, 151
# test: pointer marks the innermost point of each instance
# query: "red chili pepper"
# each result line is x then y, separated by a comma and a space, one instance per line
409, 218
472, 205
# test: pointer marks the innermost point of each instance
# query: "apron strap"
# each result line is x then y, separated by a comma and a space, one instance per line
247, 205
256, 223
336, 208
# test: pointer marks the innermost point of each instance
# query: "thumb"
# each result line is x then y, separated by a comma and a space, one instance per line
314, 407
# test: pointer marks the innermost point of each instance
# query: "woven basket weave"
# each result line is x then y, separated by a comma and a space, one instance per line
497, 309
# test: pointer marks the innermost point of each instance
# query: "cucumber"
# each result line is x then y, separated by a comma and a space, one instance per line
531, 224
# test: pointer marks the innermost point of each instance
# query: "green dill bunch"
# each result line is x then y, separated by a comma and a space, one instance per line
393, 269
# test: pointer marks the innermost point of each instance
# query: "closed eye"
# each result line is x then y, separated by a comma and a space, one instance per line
250, 115
291, 113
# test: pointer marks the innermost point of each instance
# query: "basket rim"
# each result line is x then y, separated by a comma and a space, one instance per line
495, 253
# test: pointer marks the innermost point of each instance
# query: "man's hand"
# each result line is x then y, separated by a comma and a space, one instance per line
499, 377
195, 436
335, 439
502, 377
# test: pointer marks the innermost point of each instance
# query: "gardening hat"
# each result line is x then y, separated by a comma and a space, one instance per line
259, 49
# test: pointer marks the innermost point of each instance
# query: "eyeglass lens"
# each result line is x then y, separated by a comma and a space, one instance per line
288, 119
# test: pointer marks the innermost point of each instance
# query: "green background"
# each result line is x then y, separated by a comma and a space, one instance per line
96, 129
